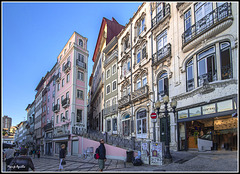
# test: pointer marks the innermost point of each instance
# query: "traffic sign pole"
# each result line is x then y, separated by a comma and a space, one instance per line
154, 120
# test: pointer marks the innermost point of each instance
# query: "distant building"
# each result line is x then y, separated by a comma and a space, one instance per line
7, 122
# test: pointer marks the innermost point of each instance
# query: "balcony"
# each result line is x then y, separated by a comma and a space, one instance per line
56, 108
124, 101
61, 134
58, 77
48, 126
65, 102
110, 110
81, 65
210, 25
66, 68
161, 54
140, 93
111, 57
161, 16
44, 91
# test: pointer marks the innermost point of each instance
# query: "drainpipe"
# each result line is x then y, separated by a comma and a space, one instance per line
131, 85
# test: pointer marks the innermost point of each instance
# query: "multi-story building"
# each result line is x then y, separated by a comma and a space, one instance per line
49, 119
38, 115
108, 29
135, 76
21, 134
70, 105
7, 122
205, 73
30, 125
110, 113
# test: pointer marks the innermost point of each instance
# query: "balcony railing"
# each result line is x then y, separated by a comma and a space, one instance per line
124, 101
206, 78
207, 22
111, 110
111, 57
66, 67
62, 134
161, 15
56, 108
58, 77
161, 54
48, 126
81, 64
65, 102
140, 93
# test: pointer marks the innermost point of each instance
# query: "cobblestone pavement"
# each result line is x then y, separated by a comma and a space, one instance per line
189, 161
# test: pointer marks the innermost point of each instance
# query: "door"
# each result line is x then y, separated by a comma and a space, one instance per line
75, 147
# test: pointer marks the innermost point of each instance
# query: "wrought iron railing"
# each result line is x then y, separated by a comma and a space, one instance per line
140, 93
206, 78
190, 84
58, 77
56, 108
66, 67
161, 54
81, 64
216, 16
48, 126
124, 101
65, 102
160, 16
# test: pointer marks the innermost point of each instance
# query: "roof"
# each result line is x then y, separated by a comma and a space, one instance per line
113, 28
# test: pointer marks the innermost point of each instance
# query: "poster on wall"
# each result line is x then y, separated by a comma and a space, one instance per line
145, 152
157, 153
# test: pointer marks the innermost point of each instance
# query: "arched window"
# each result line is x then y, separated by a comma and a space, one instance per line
225, 57
81, 42
142, 123
163, 85
190, 75
126, 125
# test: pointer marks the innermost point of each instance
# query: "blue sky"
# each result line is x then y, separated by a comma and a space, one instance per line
33, 34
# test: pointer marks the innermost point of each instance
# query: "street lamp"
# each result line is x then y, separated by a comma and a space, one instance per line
173, 104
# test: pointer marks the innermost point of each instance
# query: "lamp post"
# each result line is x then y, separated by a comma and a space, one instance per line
173, 104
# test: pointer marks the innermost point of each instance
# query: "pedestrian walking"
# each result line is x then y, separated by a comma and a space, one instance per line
62, 155
34, 152
38, 153
9, 155
101, 150
22, 162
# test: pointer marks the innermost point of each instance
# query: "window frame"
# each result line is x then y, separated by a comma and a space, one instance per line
109, 85
113, 85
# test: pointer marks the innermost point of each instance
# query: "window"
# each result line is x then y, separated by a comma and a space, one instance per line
144, 81
61, 116
48, 110
53, 93
58, 86
144, 54
206, 66
114, 124
79, 94
57, 118
128, 66
79, 116
62, 98
81, 42
138, 84
129, 89
140, 26
68, 78
162, 42
126, 125
163, 85
60, 57
62, 82
201, 10
66, 115
80, 76
67, 95
225, 57
190, 76
108, 125
114, 85
138, 57
80, 57
108, 89
187, 25
114, 69
141, 122
126, 43
108, 73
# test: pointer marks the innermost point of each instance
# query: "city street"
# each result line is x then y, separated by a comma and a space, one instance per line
182, 161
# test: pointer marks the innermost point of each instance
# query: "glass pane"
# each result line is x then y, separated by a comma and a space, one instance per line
190, 72
202, 67
144, 81
139, 126
160, 86
224, 106
138, 57
144, 126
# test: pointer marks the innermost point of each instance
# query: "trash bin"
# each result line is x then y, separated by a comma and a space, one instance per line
129, 156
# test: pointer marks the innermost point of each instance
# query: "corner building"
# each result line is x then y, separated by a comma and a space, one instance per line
70, 103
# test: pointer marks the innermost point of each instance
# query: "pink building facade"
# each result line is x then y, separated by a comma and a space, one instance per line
70, 102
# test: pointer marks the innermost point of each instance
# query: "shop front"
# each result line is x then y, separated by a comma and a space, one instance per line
210, 126
58, 142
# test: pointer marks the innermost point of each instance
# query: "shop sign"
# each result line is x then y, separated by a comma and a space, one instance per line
224, 106
182, 114
195, 112
209, 109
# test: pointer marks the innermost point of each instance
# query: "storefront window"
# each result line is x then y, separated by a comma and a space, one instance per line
182, 114
209, 109
224, 106
195, 112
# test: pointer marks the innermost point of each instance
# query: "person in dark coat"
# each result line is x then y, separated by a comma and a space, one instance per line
102, 155
38, 153
22, 162
62, 155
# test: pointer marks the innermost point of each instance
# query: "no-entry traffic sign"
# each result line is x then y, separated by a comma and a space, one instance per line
153, 115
